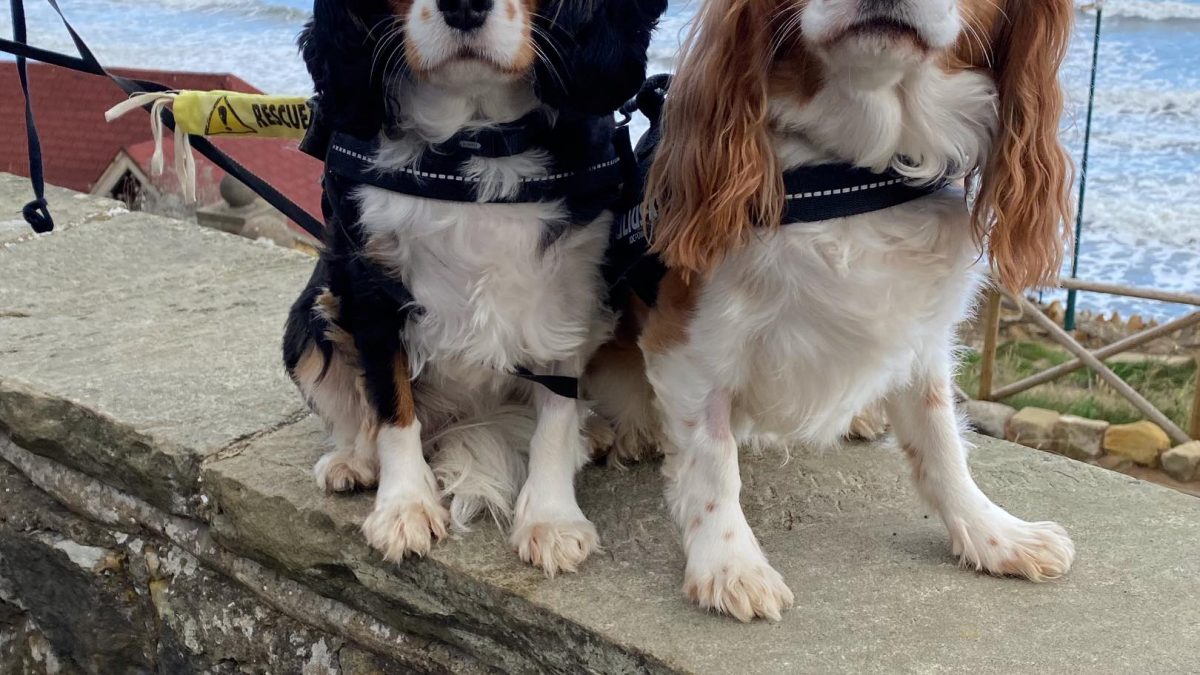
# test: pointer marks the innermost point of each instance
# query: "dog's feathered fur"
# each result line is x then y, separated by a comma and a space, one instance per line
769, 332
493, 286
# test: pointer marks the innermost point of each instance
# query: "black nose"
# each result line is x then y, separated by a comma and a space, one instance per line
464, 15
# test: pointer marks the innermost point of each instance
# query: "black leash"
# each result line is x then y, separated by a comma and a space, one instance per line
36, 212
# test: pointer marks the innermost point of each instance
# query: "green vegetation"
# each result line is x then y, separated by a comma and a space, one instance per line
1169, 387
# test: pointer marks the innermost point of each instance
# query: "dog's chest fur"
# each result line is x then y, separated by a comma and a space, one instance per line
493, 294
816, 321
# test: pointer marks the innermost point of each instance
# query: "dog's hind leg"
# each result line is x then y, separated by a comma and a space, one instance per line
983, 535
616, 385
334, 392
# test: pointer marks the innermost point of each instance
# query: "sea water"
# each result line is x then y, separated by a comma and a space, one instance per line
1141, 221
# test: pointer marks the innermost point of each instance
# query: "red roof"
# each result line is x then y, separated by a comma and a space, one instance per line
78, 145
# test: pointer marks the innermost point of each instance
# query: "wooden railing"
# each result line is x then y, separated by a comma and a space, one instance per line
1085, 358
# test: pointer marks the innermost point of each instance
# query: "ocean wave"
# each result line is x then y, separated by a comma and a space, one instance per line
1153, 10
1174, 104
245, 8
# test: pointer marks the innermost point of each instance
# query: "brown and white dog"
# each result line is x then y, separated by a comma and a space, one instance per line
784, 333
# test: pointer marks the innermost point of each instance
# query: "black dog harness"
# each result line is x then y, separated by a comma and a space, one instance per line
813, 194
588, 184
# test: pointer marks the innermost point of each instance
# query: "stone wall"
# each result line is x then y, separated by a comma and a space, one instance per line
158, 514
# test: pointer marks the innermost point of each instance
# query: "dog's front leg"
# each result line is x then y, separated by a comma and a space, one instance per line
408, 512
549, 528
726, 568
983, 535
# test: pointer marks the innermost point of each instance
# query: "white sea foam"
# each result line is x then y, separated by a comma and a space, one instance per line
1153, 10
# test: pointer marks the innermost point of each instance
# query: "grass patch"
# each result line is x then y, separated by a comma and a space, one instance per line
1169, 387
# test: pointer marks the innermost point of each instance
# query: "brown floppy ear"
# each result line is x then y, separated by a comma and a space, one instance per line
715, 176
1024, 207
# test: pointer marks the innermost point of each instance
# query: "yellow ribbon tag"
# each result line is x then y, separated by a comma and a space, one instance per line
226, 113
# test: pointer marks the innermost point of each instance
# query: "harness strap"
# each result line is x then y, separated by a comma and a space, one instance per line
88, 63
440, 177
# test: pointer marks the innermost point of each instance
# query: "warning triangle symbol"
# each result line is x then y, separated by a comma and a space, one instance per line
223, 120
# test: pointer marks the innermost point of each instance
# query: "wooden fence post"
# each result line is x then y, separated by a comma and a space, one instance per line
991, 336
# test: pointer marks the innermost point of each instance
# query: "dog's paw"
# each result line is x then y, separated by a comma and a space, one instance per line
399, 528
345, 471
743, 588
599, 435
1004, 545
555, 546
869, 425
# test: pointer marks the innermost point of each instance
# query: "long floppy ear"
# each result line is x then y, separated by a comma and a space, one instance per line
715, 175
1024, 207
593, 52
339, 48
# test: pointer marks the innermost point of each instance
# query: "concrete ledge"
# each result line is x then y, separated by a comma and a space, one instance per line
140, 386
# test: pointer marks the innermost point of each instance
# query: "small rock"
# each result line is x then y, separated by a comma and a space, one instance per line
1079, 437
1055, 311
1183, 463
1141, 442
988, 417
1033, 427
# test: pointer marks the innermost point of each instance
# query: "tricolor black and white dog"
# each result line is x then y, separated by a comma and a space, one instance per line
469, 155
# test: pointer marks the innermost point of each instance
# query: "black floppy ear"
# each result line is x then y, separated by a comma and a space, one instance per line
338, 45
595, 52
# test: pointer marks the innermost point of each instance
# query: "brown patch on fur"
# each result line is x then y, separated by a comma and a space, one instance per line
667, 323
795, 72
695, 523
937, 396
308, 369
728, 536
710, 507
329, 308
1024, 208
992, 541
405, 406
511, 8
426, 14
715, 176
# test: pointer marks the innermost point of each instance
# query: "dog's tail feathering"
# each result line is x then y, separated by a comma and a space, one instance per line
480, 463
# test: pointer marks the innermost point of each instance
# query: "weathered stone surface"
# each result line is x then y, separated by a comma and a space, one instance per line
1079, 437
150, 605
1183, 462
988, 417
134, 348
876, 585
1141, 442
69, 208
1033, 427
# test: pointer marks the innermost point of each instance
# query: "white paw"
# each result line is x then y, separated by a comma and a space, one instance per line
555, 546
398, 528
345, 471
1004, 545
744, 588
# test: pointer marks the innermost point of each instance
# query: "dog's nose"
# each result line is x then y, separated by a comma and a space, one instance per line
464, 15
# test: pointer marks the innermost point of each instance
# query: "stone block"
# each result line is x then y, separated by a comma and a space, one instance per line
1033, 427
1079, 437
988, 417
1141, 442
1183, 462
